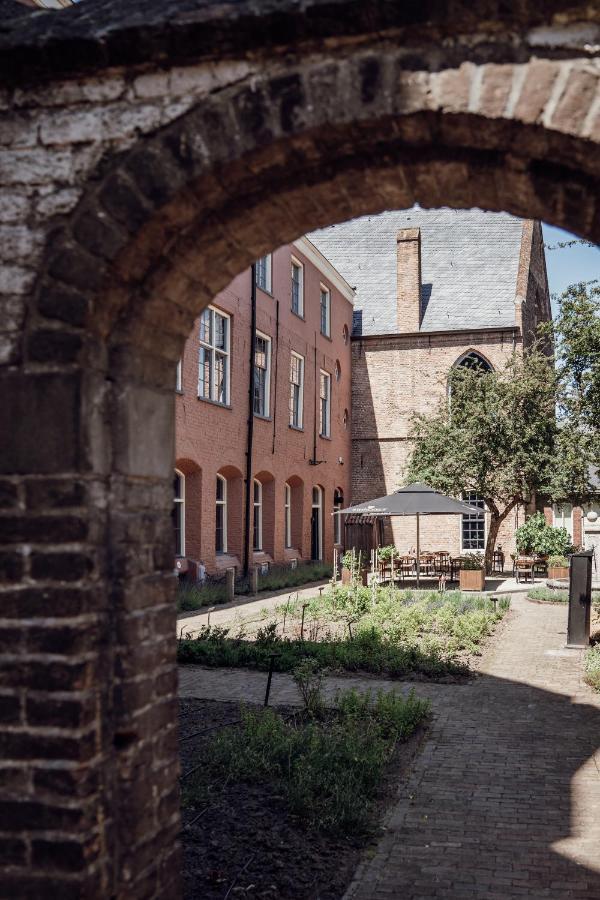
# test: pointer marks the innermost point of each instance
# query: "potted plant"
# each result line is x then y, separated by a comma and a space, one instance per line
558, 567
472, 572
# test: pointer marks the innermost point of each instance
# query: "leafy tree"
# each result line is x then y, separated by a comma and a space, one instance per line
496, 434
576, 335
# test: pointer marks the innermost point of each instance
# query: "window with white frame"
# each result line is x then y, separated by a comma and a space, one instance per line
179, 376
213, 376
296, 390
338, 503
473, 524
221, 515
257, 528
263, 268
179, 512
262, 374
562, 517
287, 510
297, 287
325, 311
325, 404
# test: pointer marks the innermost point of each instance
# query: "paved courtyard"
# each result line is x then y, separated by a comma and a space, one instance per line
504, 799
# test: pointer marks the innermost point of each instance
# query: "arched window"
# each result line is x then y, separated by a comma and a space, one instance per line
474, 361
221, 515
179, 512
338, 503
316, 524
258, 516
287, 510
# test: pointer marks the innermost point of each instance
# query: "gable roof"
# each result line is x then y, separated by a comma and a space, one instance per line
469, 263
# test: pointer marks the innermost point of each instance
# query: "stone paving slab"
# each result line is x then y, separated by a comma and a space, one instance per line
504, 799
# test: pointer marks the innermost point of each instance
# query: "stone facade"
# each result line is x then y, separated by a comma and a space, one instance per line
147, 158
211, 439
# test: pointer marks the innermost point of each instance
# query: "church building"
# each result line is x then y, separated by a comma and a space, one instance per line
433, 289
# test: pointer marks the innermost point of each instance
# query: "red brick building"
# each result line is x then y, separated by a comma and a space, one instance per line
300, 383
434, 289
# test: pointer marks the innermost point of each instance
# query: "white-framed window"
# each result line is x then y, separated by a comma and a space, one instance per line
221, 515
213, 373
473, 524
325, 311
179, 512
562, 517
316, 524
263, 268
324, 404
262, 374
287, 513
296, 390
179, 376
338, 503
297, 287
257, 520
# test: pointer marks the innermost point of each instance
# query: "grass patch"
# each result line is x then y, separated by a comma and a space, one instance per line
547, 595
393, 633
327, 766
591, 667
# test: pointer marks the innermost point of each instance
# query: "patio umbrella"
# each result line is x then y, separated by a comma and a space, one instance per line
413, 500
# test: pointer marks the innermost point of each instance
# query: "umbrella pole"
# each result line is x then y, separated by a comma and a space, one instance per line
418, 552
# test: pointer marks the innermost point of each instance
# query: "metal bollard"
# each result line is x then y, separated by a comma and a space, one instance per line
230, 584
272, 659
580, 599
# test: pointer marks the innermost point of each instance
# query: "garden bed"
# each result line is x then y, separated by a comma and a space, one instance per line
383, 631
213, 592
242, 834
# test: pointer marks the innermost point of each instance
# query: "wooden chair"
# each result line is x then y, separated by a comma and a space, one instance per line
406, 567
524, 566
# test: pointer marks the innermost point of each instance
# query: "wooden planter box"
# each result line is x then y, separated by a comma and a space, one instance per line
555, 572
472, 580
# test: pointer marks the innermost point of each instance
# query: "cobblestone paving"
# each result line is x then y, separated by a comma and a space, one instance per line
504, 800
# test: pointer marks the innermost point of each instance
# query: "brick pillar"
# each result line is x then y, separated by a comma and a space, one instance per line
88, 686
408, 280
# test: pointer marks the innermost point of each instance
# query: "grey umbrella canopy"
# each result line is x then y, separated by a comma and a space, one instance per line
413, 500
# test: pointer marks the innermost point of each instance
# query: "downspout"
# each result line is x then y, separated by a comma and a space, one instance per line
317, 391
250, 429
276, 356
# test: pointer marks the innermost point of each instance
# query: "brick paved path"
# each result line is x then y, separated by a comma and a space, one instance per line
504, 800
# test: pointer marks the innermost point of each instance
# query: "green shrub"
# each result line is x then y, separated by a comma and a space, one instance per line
548, 595
591, 665
328, 769
472, 562
536, 536
558, 561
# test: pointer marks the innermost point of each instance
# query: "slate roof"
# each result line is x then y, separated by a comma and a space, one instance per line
469, 262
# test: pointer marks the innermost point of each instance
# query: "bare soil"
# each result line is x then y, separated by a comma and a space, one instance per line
246, 844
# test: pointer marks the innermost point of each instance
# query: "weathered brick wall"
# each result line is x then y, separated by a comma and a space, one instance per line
131, 192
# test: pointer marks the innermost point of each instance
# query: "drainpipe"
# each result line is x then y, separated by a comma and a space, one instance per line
316, 392
276, 357
250, 430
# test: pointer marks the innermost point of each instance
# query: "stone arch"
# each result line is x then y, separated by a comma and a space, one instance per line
309, 119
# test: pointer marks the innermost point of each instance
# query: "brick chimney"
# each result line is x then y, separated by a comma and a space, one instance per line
408, 280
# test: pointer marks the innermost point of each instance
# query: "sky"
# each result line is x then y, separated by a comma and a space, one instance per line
570, 265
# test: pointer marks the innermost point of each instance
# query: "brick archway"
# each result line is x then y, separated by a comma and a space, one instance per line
134, 192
